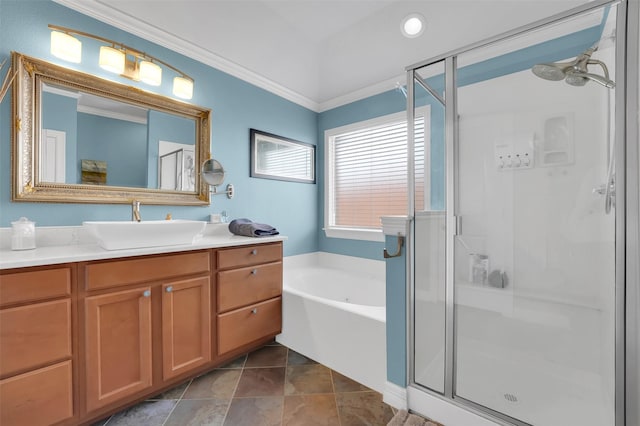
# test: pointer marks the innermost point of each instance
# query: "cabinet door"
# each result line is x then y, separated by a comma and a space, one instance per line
118, 345
186, 325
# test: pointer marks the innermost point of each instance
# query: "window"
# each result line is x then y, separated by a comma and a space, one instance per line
366, 174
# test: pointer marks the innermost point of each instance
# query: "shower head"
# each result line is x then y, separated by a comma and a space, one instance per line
576, 78
574, 72
552, 71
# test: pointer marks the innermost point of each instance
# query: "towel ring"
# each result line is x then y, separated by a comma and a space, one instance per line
398, 250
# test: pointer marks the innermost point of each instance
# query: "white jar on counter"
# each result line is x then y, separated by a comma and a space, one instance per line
23, 234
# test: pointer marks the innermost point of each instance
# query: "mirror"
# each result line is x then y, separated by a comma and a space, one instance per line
212, 172
79, 138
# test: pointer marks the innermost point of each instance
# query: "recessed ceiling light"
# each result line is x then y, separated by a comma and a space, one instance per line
412, 25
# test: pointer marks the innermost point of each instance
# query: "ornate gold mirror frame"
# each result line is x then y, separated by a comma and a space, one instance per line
26, 183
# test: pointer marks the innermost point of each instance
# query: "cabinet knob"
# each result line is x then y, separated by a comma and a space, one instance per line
254, 251
146, 293
254, 271
254, 311
169, 289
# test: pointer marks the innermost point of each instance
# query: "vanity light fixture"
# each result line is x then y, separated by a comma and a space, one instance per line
65, 46
120, 59
412, 25
111, 59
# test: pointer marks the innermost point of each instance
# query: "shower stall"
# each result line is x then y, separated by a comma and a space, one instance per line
517, 261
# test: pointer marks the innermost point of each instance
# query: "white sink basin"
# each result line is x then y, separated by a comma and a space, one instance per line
115, 235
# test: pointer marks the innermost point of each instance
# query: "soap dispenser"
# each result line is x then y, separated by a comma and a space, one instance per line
23, 234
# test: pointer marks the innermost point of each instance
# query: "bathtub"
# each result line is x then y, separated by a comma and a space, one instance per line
333, 310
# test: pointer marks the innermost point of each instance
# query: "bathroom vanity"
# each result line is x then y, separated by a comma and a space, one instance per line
82, 339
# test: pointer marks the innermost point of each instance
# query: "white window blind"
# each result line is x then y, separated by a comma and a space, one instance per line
368, 171
285, 160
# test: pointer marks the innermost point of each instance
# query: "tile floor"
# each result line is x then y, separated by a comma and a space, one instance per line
270, 386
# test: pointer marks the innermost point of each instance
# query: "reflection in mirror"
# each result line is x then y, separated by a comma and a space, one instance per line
84, 139
81, 127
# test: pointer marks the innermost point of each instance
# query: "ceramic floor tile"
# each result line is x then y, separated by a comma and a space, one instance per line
215, 384
148, 413
267, 356
173, 393
101, 422
363, 409
236, 363
310, 410
199, 412
266, 411
305, 379
295, 358
261, 382
344, 384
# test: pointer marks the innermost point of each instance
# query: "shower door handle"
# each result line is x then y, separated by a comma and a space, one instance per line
609, 192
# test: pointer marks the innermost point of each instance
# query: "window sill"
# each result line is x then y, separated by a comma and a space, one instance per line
355, 234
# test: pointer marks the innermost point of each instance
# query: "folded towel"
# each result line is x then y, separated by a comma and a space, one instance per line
247, 228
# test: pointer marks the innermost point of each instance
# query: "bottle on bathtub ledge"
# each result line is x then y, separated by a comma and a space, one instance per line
479, 269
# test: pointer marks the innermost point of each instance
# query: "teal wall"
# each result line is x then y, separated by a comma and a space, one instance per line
236, 107
396, 276
121, 144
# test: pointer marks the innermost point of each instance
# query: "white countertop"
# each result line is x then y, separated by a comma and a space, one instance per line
57, 245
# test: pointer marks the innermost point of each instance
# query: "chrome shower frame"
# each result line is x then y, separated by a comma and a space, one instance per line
627, 212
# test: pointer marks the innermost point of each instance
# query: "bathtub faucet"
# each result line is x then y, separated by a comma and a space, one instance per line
135, 211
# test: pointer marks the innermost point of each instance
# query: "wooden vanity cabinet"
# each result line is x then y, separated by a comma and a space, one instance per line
249, 298
81, 341
37, 356
132, 307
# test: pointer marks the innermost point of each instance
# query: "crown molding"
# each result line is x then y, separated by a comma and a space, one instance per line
365, 92
125, 22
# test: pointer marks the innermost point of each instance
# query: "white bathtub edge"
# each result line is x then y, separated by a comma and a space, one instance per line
368, 267
395, 396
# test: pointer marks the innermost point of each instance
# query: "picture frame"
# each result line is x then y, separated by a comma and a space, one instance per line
280, 158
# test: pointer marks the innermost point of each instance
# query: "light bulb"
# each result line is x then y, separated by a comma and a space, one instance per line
65, 46
111, 59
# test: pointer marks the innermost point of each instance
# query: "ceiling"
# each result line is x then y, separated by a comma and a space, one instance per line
317, 53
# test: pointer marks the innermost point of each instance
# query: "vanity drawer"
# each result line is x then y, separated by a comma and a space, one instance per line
34, 285
40, 397
249, 255
240, 287
124, 272
33, 335
244, 325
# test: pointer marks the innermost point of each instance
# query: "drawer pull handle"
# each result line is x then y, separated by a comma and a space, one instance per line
254, 271
254, 311
254, 251
146, 293
169, 289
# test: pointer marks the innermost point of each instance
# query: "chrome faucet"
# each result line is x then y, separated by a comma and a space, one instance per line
135, 211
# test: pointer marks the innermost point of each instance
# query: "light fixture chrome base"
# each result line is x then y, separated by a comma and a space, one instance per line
229, 191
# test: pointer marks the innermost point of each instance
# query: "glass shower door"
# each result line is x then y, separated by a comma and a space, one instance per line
429, 228
534, 252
